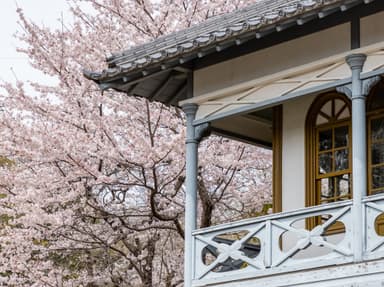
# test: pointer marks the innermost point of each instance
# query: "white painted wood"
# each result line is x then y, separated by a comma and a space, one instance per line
293, 154
248, 127
307, 211
268, 231
367, 274
280, 266
372, 29
273, 59
293, 80
359, 151
374, 206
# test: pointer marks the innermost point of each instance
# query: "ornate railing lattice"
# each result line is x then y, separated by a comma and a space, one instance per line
281, 243
254, 247
374, 240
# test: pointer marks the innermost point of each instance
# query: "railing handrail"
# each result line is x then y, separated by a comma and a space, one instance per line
375, 197
280, 215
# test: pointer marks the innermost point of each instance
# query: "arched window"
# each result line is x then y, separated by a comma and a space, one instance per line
375, 135
328, 151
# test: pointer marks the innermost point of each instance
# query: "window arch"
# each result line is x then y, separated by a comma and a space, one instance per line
328, 151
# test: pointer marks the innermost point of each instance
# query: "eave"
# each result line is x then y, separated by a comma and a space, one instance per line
161, 75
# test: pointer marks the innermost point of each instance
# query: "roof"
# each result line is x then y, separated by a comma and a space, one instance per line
126, 69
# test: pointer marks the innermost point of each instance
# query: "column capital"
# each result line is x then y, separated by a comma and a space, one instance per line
356, 61
346, 90
190, 109
369, 83
202, 131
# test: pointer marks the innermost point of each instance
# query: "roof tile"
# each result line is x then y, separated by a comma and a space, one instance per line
212, 32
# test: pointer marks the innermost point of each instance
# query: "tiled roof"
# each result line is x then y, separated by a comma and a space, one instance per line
216, 31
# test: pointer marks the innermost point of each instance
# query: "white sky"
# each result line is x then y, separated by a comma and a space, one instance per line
46, 12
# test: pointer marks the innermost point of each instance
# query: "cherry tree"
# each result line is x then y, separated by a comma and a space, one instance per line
92, 183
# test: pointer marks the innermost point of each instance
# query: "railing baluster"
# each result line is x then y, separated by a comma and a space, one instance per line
374, 243
268, 230
268, 244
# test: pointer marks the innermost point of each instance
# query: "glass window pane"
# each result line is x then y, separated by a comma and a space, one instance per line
377, 101
327, 108
377, 129
321, 120
325, 140
341, 159
377, 153
343, 186
378, 177
325, 163
341, 136
345, 114
327, 189
342, 110
339, 105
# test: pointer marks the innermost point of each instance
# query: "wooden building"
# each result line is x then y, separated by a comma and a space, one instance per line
303, 77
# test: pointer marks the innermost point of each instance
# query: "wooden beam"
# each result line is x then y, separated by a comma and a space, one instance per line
161, 88
177, 94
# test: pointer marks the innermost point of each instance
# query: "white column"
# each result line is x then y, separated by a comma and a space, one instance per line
359, 152
191, 191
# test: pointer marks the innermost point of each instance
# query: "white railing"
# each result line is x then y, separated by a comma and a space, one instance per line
280, 243
273, 244
374, 243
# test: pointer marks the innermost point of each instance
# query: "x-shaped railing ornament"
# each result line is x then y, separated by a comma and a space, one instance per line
307, 238
381, 210
313, 237
231, 251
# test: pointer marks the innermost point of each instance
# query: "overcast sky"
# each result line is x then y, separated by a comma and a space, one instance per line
41, 11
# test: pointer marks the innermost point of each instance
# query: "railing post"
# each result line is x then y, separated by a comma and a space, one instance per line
268, 244
190, 194
359, 157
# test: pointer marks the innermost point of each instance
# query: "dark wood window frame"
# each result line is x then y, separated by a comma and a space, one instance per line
312, 130
375, 111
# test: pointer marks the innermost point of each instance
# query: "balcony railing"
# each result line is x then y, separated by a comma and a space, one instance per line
280, 243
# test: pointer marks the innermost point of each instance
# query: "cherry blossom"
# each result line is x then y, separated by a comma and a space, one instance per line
92, 183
